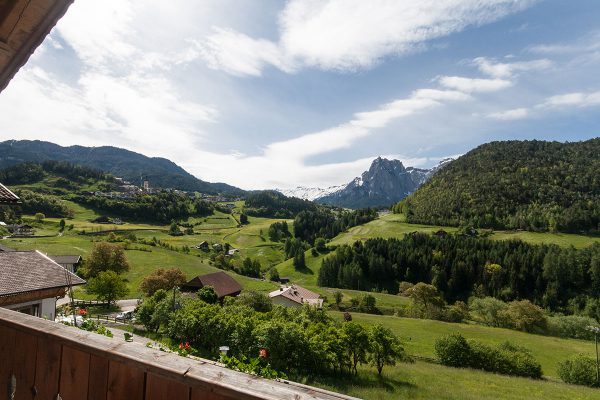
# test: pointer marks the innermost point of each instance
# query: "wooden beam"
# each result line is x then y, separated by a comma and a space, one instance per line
31, 296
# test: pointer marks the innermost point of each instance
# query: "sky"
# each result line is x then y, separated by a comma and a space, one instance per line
273, 94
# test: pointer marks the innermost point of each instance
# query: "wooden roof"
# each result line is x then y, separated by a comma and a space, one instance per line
27, 271
23, 26
297, 294
223, 284
66, 259
7, 196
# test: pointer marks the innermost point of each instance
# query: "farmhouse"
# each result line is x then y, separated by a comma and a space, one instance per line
70, 263
30, 282
202, 245
7, 197
295, 296
223, 284
21, 230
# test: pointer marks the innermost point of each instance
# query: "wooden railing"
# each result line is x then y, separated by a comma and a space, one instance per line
45, 360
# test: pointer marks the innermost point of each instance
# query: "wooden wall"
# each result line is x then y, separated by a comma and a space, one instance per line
49, 359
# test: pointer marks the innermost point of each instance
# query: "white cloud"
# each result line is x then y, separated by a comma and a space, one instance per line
350, 34
586, 44
507, 70
239, 54
552, 103
510, 115
576, 99
473, 85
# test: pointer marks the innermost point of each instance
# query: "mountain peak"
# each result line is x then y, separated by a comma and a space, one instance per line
386, 182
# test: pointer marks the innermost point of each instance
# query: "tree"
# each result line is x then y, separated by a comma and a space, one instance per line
250, 268
320, 245
525, 316
174, 229
425, 296
155, 310
107, 286
208, 295
385, 348
106, 257
39, 217
493, 278
299, 261
356, 342
61, 225
488, 310
274, 274
337, 297
367, 303
258, 301
243, 219
167, 279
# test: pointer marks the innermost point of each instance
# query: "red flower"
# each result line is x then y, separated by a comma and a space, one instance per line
82, 311
263, 353
184, 346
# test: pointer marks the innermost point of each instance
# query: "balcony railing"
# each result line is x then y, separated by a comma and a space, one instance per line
45, 360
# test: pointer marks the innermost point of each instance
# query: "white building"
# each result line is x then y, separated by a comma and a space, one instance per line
295, 296
31, 282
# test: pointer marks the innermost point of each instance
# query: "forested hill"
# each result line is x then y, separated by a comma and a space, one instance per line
126, 164
532, 185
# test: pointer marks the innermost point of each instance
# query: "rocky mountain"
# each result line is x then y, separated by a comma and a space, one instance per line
310, 193
386, 182
126, 164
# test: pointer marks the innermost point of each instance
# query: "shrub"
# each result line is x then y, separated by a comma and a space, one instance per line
403, 287
578, 370
524, 316
571, 326
455, 351
487, 310
457, 312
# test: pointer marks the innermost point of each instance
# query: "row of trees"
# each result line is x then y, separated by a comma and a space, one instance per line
163, 207
460, 267
34, 172
299, 342
325, 223
273, 204
50, 206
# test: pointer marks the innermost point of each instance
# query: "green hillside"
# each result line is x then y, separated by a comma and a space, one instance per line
530, 185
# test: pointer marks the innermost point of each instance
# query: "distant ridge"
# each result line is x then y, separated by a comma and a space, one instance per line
531, 184
160, 172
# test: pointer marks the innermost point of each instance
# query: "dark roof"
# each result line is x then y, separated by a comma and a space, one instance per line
66, 259
223, 284
8, 197
26, 271
6, 248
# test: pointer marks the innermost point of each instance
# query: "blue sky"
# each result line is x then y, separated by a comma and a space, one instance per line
265, 94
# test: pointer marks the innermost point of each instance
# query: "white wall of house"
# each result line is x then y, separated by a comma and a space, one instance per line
284, 301
46, 307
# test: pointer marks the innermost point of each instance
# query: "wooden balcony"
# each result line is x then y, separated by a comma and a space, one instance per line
45, 360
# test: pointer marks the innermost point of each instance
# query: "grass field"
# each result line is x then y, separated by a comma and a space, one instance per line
395, 226
421, 334
428, 380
